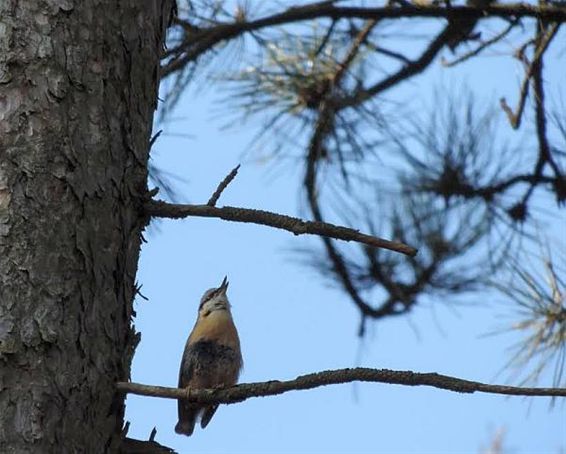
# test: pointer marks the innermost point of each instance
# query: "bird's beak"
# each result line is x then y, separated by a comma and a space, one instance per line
224, 285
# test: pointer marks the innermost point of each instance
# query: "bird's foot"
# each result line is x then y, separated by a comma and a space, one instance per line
187, 390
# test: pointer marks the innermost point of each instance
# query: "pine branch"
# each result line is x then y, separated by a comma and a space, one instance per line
201, 40
246, 391
406, 71
294, 225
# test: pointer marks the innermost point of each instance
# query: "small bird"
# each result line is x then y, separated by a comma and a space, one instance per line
212, 356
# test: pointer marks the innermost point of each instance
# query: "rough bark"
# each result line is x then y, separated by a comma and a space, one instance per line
78, 88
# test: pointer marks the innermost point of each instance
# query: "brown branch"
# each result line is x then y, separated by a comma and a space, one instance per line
223, 184
279, 221
327, 111
515, 117
326, 114
246, 391
205, 39
390, 53
354, 49
326, 38
321, 130
545, 156
407, 71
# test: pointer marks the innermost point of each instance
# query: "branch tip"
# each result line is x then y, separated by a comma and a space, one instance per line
223, 184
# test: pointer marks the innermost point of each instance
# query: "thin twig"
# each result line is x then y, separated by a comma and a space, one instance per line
354, 50
326, 38
245, 391
279, 221
389, 53
225, 182
515, 118
407, 71
155, 137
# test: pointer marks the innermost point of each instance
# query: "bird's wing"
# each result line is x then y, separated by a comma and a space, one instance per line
187, 366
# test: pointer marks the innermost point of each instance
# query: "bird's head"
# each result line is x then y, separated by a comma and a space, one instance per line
214, 299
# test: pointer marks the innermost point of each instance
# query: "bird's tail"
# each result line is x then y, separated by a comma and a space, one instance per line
187, 420
207, 415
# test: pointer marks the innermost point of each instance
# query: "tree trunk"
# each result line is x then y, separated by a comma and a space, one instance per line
78, 88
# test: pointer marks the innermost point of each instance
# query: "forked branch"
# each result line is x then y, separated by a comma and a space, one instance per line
246, 391
516, 116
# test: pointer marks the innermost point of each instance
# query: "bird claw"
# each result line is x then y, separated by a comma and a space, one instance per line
187, 391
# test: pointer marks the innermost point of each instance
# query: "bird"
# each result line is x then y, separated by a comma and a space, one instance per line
461, 30
212, 357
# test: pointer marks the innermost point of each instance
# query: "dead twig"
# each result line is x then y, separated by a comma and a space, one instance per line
223, 184
515, 117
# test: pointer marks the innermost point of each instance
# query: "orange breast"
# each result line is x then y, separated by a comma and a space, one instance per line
218, 326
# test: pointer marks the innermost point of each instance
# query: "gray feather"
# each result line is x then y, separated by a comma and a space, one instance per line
205, 364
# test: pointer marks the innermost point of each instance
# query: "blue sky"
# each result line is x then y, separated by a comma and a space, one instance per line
291, 322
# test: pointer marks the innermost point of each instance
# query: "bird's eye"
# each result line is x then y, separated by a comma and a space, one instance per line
207, 298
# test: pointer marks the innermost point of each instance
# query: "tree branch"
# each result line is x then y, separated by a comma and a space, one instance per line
354, 49
544, 37
534, 67
223, 184
279, 221
204, 39
246, 391
408, 70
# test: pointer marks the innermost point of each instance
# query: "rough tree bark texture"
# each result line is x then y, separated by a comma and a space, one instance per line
78, 86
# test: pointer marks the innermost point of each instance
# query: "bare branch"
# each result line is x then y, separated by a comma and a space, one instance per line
534, 67
279, 221
322, 128
389, 53
405, 72
545, 156
223, 184
354, 49
245, 391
